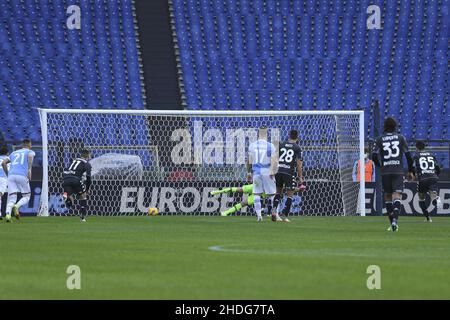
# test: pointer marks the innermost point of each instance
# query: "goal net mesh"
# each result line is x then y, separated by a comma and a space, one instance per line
172, 162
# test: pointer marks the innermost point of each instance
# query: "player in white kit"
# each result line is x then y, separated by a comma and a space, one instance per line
19, 176
261, 169
3, 177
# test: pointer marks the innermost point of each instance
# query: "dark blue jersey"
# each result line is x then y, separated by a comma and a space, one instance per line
426, 166
79, 169
390, 148
288, 156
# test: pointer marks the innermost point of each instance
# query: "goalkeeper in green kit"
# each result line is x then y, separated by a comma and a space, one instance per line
246, 189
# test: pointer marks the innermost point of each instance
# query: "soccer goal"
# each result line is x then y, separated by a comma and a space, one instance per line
173, 159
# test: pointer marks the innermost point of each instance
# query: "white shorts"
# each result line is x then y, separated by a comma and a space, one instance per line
264, 184
3, 185
18, 184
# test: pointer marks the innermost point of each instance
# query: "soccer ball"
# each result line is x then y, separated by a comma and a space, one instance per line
152, 211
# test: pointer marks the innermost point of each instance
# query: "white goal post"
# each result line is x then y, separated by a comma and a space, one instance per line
172, 159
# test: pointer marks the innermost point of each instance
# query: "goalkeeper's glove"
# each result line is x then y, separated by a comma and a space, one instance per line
301, 185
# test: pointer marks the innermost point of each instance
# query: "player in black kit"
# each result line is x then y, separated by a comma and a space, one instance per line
388, 154
77, 181
290, 158
427, 171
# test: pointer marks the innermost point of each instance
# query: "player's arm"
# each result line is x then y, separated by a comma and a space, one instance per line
373, 172
299, 166
375, 152
5, 165
355, 167
30, 164
437, 167
414, 166
249, 165
88, 176
273, 160
300, 171
409, 158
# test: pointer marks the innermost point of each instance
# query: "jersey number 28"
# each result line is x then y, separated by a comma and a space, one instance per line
287, 155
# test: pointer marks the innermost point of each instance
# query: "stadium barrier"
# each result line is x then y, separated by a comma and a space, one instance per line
179, 198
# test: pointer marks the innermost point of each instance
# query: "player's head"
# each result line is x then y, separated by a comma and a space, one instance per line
86, 154
26, 143
262, 133
390, 125
3, 150
293, 135
366, 152
420, 145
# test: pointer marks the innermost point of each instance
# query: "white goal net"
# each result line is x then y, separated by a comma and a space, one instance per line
173, 159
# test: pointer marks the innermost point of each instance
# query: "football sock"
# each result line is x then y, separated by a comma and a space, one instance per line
396, 207
1, 206
276, 201
24, 200
12, 198
83, 208
68, 200
424, 208
389, 210
224, 190
233, 209
257, 205
287, 207
269, 202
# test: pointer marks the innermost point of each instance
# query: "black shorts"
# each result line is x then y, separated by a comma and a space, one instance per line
427, 185
285, 180
392, 183
74, 186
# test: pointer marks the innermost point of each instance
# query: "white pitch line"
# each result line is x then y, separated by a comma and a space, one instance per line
314, 252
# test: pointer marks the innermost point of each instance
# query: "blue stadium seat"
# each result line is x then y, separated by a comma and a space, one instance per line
264, 100
56, 67
249, 100
279, 102
293, 100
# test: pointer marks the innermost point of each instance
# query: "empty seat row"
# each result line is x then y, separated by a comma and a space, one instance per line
290, 55
45, 64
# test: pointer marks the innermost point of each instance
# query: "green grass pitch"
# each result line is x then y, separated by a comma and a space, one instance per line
197, 257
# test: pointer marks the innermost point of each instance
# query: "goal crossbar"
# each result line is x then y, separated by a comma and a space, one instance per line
229, 113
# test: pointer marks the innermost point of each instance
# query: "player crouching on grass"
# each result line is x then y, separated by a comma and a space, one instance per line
427, 171
77, 181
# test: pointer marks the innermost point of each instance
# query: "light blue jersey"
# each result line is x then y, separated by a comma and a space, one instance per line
261, 153
2, 173
19, 162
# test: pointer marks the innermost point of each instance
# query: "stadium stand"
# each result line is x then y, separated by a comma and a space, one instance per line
233, 54
43, 63
290, 55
